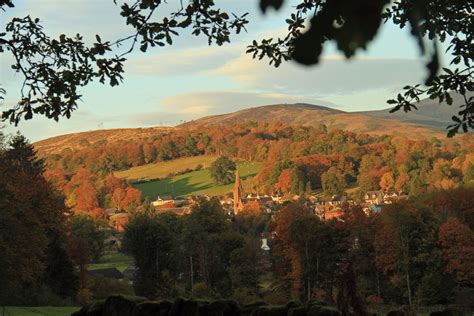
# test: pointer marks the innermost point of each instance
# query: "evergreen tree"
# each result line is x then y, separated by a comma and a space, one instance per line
33, 221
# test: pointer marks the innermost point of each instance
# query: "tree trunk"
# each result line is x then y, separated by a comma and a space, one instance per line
409, 289
192, 274
308, 281
378, 283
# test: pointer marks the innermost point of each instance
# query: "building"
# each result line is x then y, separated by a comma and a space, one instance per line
374, 197
239, 194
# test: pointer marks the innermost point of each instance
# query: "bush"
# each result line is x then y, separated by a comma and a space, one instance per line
102, 287
200, 290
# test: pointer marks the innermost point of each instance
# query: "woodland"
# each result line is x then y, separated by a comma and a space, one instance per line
415, 252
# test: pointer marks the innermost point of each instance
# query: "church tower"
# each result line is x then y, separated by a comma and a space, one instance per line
239, 194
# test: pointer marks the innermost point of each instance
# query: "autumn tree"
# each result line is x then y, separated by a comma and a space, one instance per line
387, 182
401, 185
34, 256
333, 182
283, 184
222, 170
468, 177
457, 243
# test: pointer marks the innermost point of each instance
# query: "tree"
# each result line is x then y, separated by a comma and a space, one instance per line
222, 170
283, 183
387, 182
33, 219
91, 233
402, 182
209, 243
333, 182
457, 243
468, 177
406, 246
68, 63
149, 242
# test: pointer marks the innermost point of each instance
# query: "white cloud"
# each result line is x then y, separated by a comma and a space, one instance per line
170, 61
333, 76
189, 106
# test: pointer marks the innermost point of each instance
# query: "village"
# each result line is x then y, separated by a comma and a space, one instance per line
326, 208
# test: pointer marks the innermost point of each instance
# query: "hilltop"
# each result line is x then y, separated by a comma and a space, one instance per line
314, 115
429, 121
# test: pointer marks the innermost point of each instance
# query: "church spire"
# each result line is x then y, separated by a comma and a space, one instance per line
239, 194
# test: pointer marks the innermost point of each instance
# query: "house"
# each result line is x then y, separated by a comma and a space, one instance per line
175, 210
374, 197
389, 198
118, 221
112, 211
163, 200
335, 212
265, 246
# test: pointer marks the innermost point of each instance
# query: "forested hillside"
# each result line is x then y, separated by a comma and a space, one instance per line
301, 154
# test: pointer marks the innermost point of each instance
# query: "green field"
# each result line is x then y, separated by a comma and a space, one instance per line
163, 169
194, 183
112, 260
38, 311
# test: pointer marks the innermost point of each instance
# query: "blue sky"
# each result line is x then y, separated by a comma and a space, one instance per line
191, 79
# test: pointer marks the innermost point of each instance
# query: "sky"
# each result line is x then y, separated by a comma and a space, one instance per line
166, 86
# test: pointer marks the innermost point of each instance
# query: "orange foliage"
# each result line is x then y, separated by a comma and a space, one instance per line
56, 177
457, 242
86, 198
284, 181
251, 208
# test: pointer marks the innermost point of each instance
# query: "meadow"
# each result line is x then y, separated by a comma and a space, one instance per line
37, 311
194, 183
163, 169
112, 260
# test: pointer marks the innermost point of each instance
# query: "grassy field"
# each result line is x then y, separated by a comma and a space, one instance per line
194, 183
38, 311
163, 169
111, 260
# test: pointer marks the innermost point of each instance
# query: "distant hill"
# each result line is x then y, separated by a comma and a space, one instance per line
429, 121
314, 115
430, 113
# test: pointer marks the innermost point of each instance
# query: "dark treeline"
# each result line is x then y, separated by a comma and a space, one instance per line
416, 252
34, 251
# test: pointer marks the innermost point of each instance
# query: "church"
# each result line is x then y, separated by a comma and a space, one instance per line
239, 194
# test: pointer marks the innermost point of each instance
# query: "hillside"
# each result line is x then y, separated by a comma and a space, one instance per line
313, 115
430, 113
429, 121
77, 140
